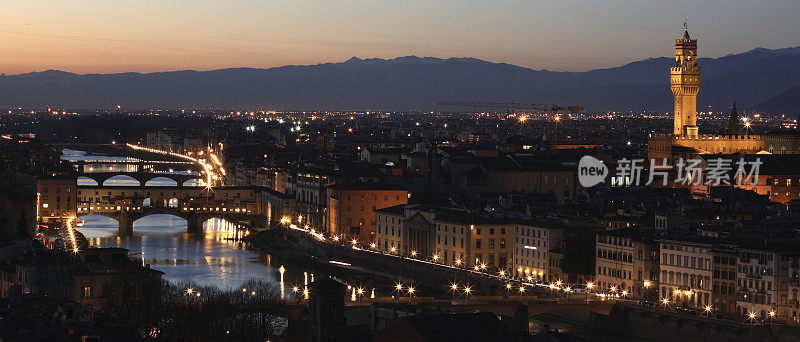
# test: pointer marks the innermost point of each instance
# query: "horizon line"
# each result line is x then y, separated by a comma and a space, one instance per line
367, 59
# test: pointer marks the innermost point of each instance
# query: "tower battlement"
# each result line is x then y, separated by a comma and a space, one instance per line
677, 70
735, 137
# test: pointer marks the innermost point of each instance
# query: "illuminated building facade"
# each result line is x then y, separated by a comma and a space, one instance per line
57, 198
686, 273
351, 208
532, 243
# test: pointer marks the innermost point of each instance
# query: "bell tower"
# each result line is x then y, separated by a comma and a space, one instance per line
685, 83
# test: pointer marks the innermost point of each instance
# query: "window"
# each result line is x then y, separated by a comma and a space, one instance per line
87, 292
477, 243
491, 243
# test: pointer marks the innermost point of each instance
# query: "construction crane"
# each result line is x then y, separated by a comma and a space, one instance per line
515, 105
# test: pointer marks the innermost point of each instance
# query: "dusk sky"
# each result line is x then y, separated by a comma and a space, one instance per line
101, 36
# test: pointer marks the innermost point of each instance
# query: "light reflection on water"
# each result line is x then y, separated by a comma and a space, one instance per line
162, 241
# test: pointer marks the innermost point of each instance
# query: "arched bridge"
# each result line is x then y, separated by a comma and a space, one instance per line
141, 177
194, 204
142, 171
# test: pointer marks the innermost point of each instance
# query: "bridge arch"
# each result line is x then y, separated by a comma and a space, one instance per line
154, 222
155, 202
161, 181
121, 180
87, 181
195, 182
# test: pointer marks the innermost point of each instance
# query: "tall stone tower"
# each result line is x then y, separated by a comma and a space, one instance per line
685, 83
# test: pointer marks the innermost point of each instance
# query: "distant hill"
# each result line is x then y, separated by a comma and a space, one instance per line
408, 83
787, 102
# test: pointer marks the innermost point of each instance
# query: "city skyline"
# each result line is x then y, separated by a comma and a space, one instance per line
150, 37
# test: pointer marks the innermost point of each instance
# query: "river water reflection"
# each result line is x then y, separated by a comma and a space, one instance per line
209, 258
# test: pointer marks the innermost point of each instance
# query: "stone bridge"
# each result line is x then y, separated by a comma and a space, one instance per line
101, 170
196, 205
141, 177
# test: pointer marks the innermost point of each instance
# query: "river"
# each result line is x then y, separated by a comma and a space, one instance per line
207, 258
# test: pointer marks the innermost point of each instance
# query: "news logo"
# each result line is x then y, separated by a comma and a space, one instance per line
591, 171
